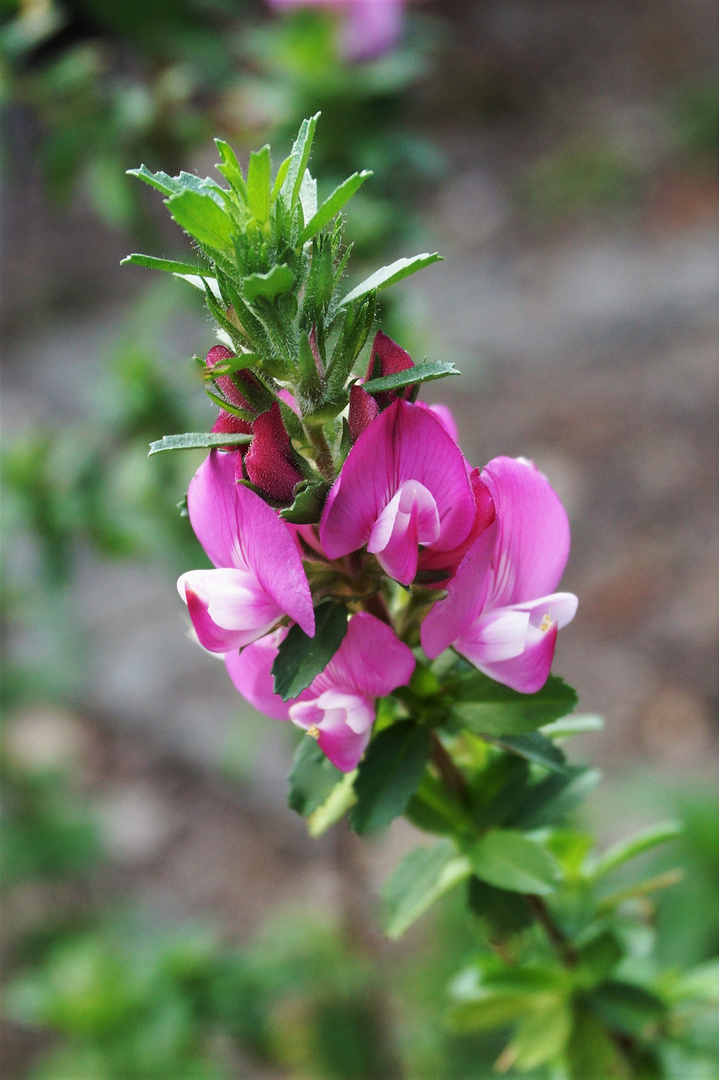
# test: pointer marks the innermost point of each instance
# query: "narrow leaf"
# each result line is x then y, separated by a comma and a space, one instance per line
197, 440
418, 374
258, 184
170, 265
486, 707
168, 185
276, 281
231, 169
625, 850
509, 860
337, 804
332, 206
298, 159
280, 178
421, 878
312, 778
554, 797
536, 748
389, 774
301, 658
390, 275
573, 725
310, 496
202, 218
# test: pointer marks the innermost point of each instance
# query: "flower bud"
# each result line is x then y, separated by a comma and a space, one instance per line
388, 358
270, 460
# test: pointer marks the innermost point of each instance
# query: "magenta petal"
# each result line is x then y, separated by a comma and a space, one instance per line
403, 443
228, 607
342, 746
528, 672
431, 561
445, 417
533, 532
467, 593
371, 660
251, 673
238, 529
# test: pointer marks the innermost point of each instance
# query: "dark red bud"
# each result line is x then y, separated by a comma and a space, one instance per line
269, 461
362, 411
230, 424
388, 358
218, 354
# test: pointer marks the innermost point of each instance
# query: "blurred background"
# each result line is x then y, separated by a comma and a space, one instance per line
164, 913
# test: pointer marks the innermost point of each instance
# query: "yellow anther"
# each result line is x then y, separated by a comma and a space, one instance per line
313, 731
545, 623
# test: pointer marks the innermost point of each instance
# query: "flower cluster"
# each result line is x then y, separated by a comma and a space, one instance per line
421, 548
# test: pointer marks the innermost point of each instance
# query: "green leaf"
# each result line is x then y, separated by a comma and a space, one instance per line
573, 725
628, 1007
301, 658
332, 206
418, 374
197, 440
541, 1037
310, 497
258, 184
485, 707
339, 801
280, 178
554, 797
168, 185
421, 878
509, 860
625, 850
390, 275
536, 748
201, 217
231, 169
274, 283
170, 265
592, 1054
312, 778
506, 912
298, 160
389, 774
488, 996
597, 959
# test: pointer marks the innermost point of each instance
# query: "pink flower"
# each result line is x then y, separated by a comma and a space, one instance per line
338, 708
259, 576
501, 612
370, 27
404, 483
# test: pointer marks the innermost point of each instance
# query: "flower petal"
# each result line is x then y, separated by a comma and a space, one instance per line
528, 672
251, 673
371, 661
228, 608
466, 596
238, 529
533, 532
403, 443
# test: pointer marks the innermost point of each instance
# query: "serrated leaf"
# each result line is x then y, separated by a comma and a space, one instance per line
308, 195
535, 748
274, 283
202, 218
388, 775
298, 159
174, 185
309, 501
625, 850
197, 440
485, 707
171, 266
332, 206
418, 881
258, 184
311, 778
508, 859
390, 275
301, 658
418, 374
168, 185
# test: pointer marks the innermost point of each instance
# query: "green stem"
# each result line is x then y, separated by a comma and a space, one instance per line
318, 441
